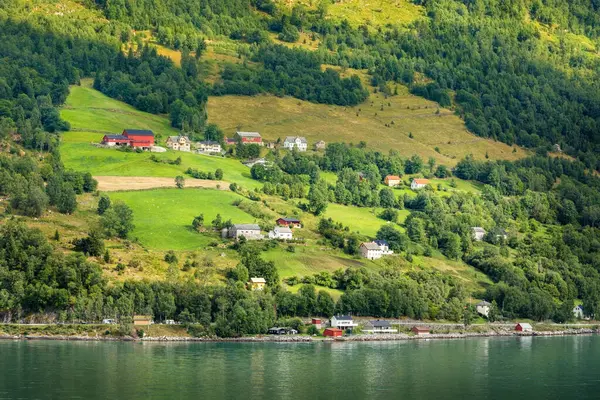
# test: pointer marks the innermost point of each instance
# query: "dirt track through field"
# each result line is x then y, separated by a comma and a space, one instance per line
114, 183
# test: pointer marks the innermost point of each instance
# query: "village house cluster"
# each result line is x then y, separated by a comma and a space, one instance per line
283, 230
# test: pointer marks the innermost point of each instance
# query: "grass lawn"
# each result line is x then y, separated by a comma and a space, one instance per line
163, 217
361, 219
308, 260
78, 154
89, 110
274, 117
335, 293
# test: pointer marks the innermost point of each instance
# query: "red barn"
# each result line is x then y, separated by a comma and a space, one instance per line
291, 222
139, 137
333, 332
250, 138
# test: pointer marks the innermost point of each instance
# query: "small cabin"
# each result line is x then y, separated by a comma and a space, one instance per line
316, 322
420, 330
333, 332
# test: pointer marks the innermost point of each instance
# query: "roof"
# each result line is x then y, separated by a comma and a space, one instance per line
258, 280
580, 307
483, 303
282, 229
371, 246
293, 139
177, 137
343, 317
208, 142
246, 227
380, 324
421, 328
393, 177
421, 181
381, 242
478, 229
525, 325
288, 219
141, 317
248, 134
139, 132
321, 142
118, 137
334, 330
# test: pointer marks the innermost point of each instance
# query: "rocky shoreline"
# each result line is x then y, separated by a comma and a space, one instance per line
306, 339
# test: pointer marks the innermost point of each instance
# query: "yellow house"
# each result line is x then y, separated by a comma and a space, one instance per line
257, 283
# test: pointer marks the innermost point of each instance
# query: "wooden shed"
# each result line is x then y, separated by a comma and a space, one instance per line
333, 332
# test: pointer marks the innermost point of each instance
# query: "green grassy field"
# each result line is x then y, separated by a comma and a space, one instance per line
308, 260
363, 220
163, 217
91, 113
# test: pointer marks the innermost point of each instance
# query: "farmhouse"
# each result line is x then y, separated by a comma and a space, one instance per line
249, 138
420, 330
392, 180
298, 142
483, 308
370, 250
578, 311
333, 332
378, 327
419, 183
142, 320
343, 322
290, 222
249, 231
257, 284
208, 146
130, 137
523, 327
320, 145
281, 232
478, 233
115, 140
181, 143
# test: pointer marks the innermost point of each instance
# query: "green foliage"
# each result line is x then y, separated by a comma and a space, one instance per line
103, 204
117, 220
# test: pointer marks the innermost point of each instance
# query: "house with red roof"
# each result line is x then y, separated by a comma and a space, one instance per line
392, 180
419, 183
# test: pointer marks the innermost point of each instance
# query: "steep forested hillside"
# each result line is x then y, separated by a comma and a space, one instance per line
519, 71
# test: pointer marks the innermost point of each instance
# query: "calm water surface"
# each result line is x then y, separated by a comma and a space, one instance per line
495, 368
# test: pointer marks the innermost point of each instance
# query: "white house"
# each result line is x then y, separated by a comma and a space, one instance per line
384, 246
181, 143
249, 231
343, 322
370, 250
281, 232
483, 308
298, 142
419, 183
578, 311
378, 327
478, 233
208, 146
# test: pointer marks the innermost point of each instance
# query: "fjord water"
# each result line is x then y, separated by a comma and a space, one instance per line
494, 368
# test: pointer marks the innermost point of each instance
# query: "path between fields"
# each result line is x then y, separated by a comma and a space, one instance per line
114, 183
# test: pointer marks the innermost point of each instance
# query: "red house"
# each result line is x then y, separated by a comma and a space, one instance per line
333, 332
316, 322
420, 330
139, 137
290, 222
249, 138
115, 140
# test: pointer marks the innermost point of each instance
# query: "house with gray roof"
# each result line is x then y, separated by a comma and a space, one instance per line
378, 326
298, 142
343, 322
249, 231
281, 232
478, 233
181, 143
483, 308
